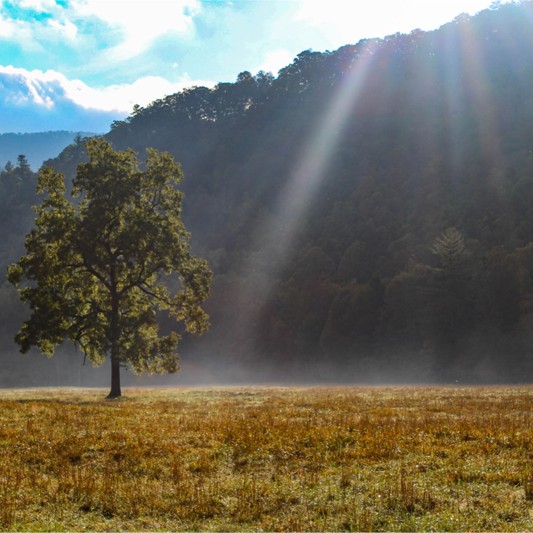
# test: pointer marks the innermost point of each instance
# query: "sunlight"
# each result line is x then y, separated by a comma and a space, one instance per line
311, 168
478, 84
290, 213
275, 60
477, 90
453, 109
342, 20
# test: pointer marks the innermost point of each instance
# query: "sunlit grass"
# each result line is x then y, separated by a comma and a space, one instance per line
267, 459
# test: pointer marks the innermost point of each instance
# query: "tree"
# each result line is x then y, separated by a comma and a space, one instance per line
452, 299
22, 164
449, 248
99, 269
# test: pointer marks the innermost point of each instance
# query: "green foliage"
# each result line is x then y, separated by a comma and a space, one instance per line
97, 271
17, 194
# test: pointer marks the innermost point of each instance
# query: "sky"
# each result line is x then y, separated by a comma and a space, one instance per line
80, 64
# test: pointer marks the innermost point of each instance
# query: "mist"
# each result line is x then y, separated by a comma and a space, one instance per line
68, 368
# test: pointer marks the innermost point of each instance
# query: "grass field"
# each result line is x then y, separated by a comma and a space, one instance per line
233, 459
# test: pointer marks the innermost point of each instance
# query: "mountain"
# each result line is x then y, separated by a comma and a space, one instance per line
37, 147
367, 212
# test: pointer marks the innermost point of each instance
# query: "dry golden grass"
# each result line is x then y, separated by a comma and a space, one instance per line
233, 459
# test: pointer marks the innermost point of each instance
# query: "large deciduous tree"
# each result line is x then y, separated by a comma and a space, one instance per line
99, 269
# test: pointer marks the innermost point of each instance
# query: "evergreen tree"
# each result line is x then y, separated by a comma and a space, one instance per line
452, 300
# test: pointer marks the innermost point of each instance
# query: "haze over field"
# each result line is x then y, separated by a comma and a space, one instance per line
77, 65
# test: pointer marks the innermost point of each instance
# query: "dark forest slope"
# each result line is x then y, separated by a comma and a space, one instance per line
369, 212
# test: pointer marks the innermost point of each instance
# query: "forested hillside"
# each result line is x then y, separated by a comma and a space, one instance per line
37, 147
368, 213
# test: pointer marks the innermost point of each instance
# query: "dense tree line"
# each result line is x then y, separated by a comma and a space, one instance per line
17, 194
412, 258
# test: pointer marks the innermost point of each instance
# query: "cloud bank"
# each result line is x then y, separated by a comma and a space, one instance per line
29, 99
80, 64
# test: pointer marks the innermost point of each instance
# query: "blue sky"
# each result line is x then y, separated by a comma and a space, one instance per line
79, 64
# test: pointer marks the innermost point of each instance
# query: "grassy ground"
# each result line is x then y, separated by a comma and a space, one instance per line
233, 459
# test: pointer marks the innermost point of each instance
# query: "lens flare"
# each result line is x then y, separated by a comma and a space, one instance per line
275, 238
478, 84
457, 92
469, 99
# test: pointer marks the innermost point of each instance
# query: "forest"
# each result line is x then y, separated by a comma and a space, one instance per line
36, 147
367, 213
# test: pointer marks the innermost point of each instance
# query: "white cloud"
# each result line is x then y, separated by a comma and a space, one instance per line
67, 28
123, 97
131, 26
140, 22
40, 101
37, 5
276, 60
348, 21
30, 35
7, 28
24, 87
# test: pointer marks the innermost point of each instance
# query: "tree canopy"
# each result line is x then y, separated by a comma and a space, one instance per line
99, 269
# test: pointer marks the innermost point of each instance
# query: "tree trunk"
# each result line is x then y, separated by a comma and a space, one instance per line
115, 391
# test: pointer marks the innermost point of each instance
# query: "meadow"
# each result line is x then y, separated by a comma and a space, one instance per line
268, 459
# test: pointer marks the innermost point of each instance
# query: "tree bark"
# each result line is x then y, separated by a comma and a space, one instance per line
115, 391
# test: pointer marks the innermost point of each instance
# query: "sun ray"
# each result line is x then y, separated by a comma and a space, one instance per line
290, 212
470, 99
481, 94
460, 110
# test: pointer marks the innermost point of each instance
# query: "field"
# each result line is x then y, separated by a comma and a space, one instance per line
251, 459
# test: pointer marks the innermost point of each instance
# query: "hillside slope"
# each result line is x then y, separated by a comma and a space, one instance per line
368, 212
37, 147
